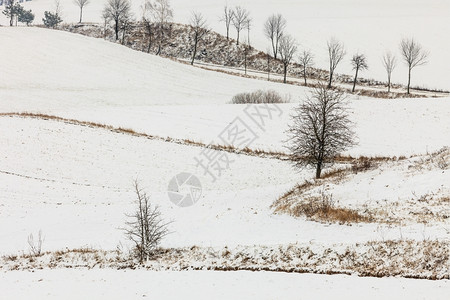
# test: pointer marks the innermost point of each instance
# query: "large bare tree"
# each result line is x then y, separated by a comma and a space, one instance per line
336, 52
306, 60
227, 18
413, 56
117, 10
287, 49
273, 29
359, 63
199, 29
239, 20
389, 64
81, 4
320, 130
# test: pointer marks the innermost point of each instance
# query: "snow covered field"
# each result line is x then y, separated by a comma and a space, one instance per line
75, 182
113, 284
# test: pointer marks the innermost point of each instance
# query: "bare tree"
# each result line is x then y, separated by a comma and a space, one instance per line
162, 14
306, 60
389, 63
248, 26
246, 51
116, 10
106, 19
273, 29
320, 130
359, 63
268, 63
227, 18
287, 50
126, 23
239, 20
148, 22
81, 4
413, 55
145, 227
198, 31
336, 53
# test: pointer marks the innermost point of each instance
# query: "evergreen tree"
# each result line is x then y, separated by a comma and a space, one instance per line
51, 20
26, 16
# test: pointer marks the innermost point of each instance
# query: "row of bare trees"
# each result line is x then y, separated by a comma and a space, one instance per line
157, 15
239, 18
284, 45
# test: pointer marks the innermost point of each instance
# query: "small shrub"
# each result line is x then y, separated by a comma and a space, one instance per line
362, 165
36, 246
323, 208
259, 97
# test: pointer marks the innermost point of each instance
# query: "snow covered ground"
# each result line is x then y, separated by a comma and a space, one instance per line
75, 182
113, 284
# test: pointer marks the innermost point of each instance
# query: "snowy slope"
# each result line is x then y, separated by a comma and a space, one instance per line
94, 80
66, 70
64, 178
366, 26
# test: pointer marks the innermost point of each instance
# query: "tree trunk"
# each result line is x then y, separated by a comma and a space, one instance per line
237, 42
389, 84
409, 79
149, 42
285, 73
304, 75
354, 80
331, 79
318, 169
123, 35
81, 14
228, 33
195, 52
245, 62
268, 67
116, 29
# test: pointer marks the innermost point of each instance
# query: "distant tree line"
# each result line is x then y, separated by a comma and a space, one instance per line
157, 16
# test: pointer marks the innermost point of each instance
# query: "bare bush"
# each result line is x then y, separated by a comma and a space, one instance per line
145, 227
323, 208
36, 246
259, 97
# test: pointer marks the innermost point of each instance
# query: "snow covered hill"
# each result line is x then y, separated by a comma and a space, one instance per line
366, 26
